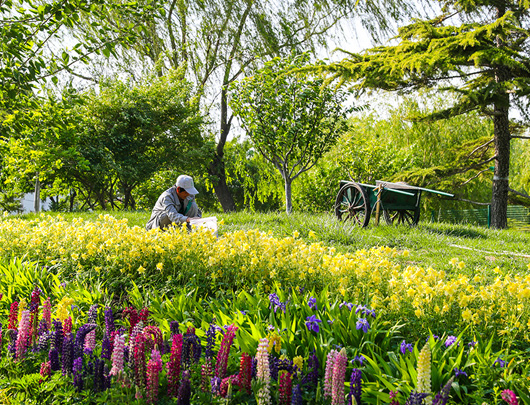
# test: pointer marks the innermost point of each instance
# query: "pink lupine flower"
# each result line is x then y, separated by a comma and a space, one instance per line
206, 375
45, 371
173, 366
153, 371
263, 372
34, 309
153, 335
339, 372
24, 331
224, 351
328, 374
510, 397
117, 355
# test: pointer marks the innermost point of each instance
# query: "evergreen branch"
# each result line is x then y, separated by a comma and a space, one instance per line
480, 147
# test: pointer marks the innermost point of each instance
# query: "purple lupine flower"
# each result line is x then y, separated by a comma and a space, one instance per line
80, 338
43, 342
311, 377
297, 395
459, 373
77, 371
210, 341
273, 367
196, 348
254, 367
12, 346
312, 303
58, 335
53, 357
68, 354
405, 347
184, 393
174, 327
416, 398
312, 323
99, 378
363, 324
451, 340
355, 387
285, 364
442, 397
43, 327
215, 383
109, 321
105, 348
359, 359
500, 362
90, 340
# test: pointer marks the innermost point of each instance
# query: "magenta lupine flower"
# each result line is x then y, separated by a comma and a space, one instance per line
206, 375
117, 356
173, 366
510, 397
245, 372
13, 316
45, 371
154, 337
67, 326
339, 373
328, 374
139, 361
286, 388
393, 397
132, 341
47, 313
24, 331
224, 351
154, 367
34, 309
263, 372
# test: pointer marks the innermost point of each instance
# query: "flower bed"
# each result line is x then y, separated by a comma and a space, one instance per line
62, 355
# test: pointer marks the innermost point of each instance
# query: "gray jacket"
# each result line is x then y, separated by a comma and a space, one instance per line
168, 209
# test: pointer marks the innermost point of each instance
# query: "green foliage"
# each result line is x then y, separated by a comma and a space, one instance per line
291, 120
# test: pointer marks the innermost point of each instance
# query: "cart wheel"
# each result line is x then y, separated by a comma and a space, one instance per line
352, 203
401, 217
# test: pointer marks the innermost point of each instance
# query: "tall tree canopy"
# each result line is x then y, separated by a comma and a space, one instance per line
222, 41
478, 49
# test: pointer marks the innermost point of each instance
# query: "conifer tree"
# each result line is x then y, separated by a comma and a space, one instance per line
477, 49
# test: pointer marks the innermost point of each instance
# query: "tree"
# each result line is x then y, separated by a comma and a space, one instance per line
482, 56
290, 119
223, 40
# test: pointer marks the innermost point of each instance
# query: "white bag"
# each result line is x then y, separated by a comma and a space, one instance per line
208, 223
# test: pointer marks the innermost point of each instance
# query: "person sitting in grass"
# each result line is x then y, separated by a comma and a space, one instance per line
176, 205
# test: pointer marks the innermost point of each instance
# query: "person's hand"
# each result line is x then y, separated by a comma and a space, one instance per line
189, 218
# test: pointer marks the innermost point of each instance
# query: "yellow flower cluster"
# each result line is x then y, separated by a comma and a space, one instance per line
63, 307
424, 372
245, 259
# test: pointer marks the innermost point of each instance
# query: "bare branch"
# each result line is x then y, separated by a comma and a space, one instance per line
474, 177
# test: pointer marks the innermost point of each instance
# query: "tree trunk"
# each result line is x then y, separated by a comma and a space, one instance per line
501, 133
72, 200
36, 203
288, 195
217, 167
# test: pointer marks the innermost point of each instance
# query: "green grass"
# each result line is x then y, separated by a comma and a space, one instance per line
430, 244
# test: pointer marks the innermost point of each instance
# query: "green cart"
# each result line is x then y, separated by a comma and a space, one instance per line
398, 202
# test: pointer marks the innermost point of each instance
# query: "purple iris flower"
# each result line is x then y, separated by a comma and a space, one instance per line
312, 323
363, 324
330, 321
451, 340
349, 305
405, 346
459, 373
276, 303
312, 303
472, 344
500, 362
360, 359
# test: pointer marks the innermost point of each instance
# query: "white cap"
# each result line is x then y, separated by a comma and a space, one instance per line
186, 182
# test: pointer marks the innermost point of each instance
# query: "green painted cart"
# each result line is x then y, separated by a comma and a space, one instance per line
398, 202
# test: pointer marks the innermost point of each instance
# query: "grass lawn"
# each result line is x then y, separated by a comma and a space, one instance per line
430, 244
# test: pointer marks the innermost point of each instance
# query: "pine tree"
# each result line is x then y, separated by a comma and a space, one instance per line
477, 49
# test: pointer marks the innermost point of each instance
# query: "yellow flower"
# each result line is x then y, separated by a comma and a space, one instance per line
467, 314
461, 265
160, 266
313, 235
406, 253
296, 234
454, 261
299, 362
141, 269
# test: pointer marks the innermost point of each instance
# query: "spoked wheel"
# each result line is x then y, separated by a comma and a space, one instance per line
402, 217
352, 204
